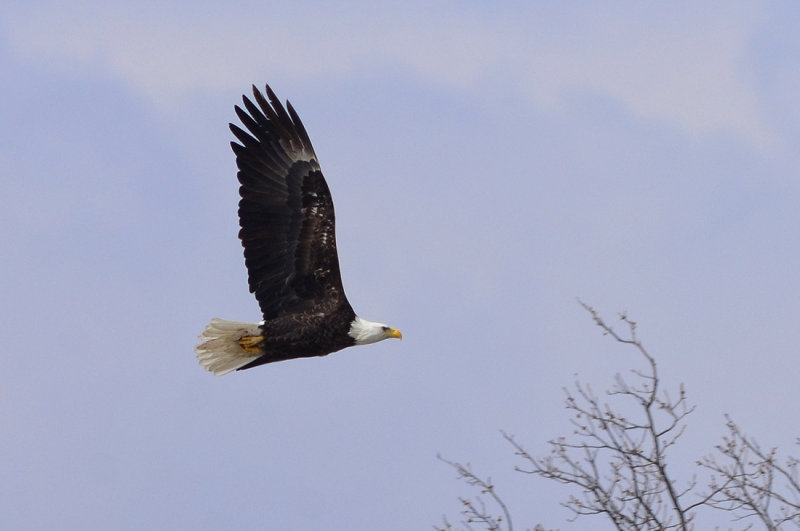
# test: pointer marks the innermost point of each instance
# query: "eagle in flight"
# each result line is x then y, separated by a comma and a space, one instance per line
287, 229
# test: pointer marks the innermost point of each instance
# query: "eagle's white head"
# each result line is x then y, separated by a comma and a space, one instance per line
365, 332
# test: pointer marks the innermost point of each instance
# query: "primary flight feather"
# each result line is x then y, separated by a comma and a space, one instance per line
289, 239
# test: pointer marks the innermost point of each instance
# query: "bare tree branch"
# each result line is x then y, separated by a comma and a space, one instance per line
474, 510
751, 482
620, 466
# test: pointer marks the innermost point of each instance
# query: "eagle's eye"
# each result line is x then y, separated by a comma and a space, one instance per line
385, 328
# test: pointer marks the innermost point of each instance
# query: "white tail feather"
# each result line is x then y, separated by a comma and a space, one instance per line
219, 350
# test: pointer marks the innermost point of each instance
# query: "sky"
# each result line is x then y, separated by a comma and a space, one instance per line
490, 164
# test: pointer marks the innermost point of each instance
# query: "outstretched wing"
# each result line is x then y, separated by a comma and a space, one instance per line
285, 212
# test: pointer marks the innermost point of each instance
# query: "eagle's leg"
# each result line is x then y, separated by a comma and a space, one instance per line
250, 344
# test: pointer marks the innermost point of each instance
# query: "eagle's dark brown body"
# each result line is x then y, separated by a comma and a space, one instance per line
300, 336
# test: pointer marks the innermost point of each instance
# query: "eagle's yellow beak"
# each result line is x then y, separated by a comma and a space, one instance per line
394, 332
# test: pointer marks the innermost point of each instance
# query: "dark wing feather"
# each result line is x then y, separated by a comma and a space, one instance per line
285, 213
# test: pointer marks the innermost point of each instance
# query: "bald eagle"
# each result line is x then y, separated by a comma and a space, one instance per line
288, 234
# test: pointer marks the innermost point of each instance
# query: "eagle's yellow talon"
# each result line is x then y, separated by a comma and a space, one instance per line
250, 344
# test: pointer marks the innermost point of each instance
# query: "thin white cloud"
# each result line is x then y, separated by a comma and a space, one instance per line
689, 69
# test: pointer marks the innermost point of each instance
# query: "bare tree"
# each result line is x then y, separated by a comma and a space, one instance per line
616, 458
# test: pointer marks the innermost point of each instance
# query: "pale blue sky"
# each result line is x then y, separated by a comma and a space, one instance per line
488, 165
